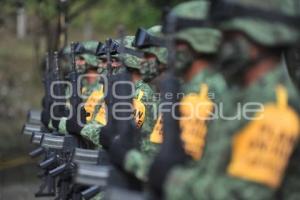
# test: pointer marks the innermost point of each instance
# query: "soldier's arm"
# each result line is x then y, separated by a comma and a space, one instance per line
91, 131
211, 179
137, 161
190, 184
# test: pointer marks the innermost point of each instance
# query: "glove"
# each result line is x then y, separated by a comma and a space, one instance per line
73, 126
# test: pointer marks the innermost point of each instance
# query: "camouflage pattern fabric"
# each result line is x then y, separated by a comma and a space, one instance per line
90, 60
266, 32
88, 45
99, 196
201, 39
150, 103
137, 161
210, 178
87, 90
92, 130
129, 60
160, 52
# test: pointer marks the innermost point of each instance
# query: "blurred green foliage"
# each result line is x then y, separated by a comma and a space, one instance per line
20, 74
131, 14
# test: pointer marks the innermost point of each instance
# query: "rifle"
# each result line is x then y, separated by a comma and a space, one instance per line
85, 157
88, 156
95, 177
36, 139
47, 81
75, 99
34, 117
58, 91
127, 132
57, 163
47, 100
108, 130
47, 188
91, 173
30, 128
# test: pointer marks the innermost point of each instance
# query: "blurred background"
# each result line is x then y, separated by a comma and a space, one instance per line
30, 28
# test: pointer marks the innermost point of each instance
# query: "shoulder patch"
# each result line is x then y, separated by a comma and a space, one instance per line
261, 150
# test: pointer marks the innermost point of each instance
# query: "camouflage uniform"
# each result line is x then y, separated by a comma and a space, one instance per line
253, 157
91, 61
150, 70
143, 95
137, 160
202, 40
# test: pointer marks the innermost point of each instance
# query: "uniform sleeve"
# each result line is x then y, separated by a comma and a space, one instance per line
208, 178
91, 132
137, 163
151, 106
190, 184
50, 126
62, 127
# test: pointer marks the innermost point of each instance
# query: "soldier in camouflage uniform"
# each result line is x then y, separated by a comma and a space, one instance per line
253, 154
86, 63
195, 49
155, 53
143, 100
200, 82
151, 65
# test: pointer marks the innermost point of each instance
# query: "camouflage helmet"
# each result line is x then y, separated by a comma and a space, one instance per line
90, 60
130, 57
202, 39
102, 51
91, 46
267, 22
159, 51
86, 50
85, 47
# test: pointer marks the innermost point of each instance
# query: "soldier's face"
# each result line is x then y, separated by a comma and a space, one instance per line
115, 63
80, 64
103, 64
184, 57
91, 76
151, 58
80, 61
